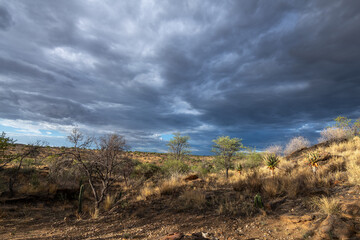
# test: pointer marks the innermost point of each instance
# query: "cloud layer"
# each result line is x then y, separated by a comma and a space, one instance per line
259, 70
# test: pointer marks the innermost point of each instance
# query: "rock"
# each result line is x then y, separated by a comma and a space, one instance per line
191, 177
173, 236
351, 210
194, 236
272, 205
200, 236
296, 219
334, 227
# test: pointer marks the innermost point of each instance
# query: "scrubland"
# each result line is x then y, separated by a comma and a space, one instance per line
160, 196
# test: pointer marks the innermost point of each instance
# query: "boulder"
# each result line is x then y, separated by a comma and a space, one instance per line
333, 227
173, 236
191, 177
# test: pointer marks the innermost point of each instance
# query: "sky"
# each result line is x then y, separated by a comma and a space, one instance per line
263, 71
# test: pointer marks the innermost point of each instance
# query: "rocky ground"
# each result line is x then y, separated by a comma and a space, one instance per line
282, 219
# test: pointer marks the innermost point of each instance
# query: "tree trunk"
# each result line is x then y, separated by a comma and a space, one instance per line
11, 187
227, 173
125, 178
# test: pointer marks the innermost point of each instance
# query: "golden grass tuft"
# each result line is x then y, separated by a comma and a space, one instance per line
94, 213
353, 172
347, 159
171, 185
147, 191
109, 202
327, 205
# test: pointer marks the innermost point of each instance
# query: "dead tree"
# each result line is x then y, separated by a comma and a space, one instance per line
102, 165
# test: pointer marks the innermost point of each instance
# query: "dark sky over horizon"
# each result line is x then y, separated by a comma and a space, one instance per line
263, 71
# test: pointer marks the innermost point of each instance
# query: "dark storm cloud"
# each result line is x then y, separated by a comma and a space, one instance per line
263, 71
5, 19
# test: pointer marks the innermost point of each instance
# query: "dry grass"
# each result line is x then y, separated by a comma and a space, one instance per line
250, 183
228, 206
235, 206
327, 205
286, 166
347, 159
353, 172
94, 213
147, 191
193, 199
171, 185
109, 202
272, 187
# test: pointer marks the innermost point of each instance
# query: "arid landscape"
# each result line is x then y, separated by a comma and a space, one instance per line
180, 119
311, 193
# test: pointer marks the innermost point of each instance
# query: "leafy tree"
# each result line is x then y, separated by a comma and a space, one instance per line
5, 155
179, 146
31, 151
356, 127
10, 152
225, 148
342, 122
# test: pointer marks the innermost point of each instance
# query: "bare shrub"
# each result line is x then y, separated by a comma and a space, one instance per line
295, 144
103, 167
274, 149
333, 133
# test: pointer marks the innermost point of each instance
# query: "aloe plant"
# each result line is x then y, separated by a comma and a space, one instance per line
314, 158
258, 203
239, 168
271, 161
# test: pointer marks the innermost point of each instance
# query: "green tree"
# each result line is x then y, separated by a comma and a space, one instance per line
5, 155
225, 148
179, 146
342, 122
356, 127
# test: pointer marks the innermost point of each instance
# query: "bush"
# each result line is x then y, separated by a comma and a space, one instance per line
146, 170
252, 160
175, 166
295, 144
333, 134
203, 168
